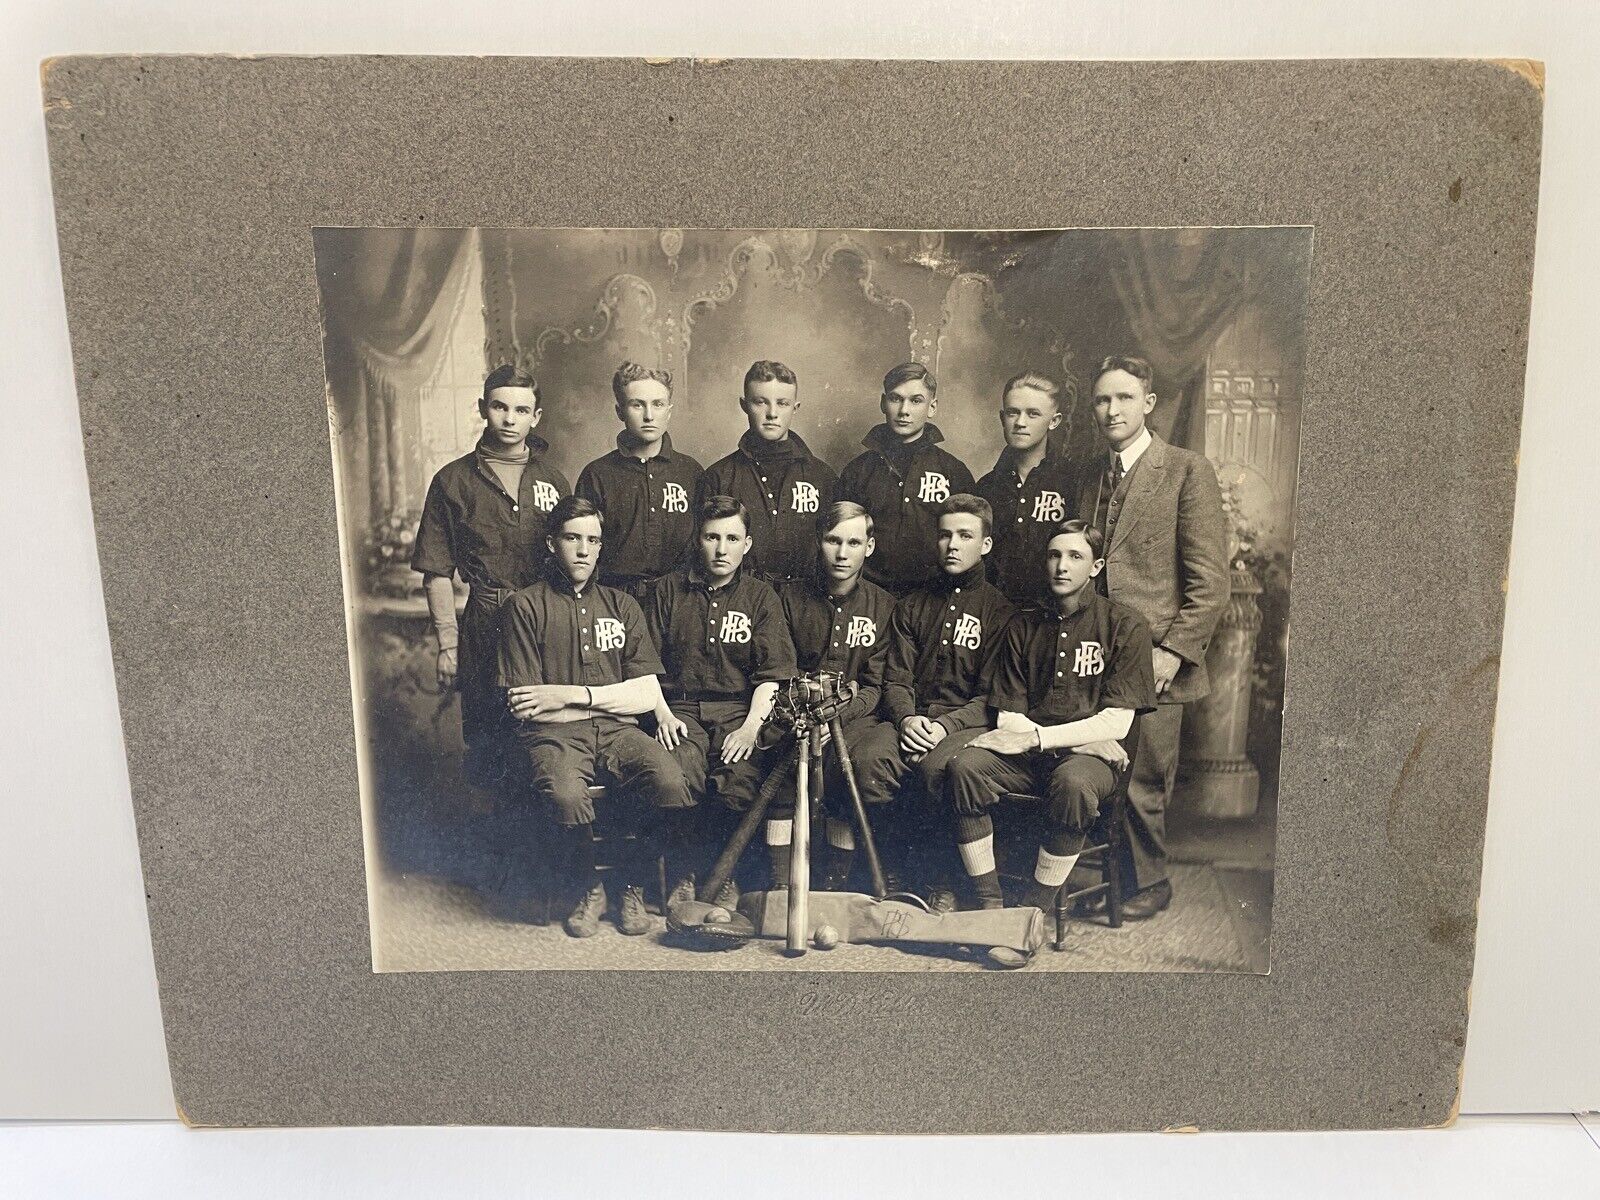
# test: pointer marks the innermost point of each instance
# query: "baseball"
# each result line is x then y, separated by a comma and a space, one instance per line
826, 937
717, 916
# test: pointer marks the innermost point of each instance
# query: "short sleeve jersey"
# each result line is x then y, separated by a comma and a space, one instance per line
848, 635
552, 634
1026, 512
471, 524
648, 510
942, 641
784, 492
718, 643
1055, 669
903, 491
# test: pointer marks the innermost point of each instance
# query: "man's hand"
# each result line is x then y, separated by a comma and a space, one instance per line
1007, 741
530, 703
670, 729
1111, 750
740, 744
447, 669
918, 734
1166, 664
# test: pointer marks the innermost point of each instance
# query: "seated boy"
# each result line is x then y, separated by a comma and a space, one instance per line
1067, 684
726, 648
942, 639
839, 623
579, 667
644, 486
1028, 487
782, 485
902, 478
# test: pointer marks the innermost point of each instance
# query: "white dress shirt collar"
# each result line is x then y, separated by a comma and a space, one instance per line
1131, 454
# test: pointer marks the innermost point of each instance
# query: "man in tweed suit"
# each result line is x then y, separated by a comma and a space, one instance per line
1166, 551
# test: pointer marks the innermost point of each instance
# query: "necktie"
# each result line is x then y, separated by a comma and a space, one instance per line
1114, 476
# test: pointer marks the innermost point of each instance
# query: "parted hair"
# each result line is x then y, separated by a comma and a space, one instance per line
716, 508
632, 372
1096, 539
838, 513
1139, 368
905, 373
765, 370
1039, 383
572, 508
976, 506
507, 375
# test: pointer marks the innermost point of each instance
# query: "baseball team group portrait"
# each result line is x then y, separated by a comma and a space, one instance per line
812, 599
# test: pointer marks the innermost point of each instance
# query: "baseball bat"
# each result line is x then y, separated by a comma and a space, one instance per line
799, 928
722, 869
880, 887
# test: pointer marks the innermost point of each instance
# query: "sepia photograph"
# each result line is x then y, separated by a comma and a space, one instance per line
817, 599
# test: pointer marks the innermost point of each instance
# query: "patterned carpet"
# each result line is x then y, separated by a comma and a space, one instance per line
1218, 922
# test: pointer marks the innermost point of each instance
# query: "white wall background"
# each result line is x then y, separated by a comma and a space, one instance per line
79, 1028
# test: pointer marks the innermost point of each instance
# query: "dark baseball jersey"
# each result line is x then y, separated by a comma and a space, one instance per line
903, 487
648, 507
942, 640
1026, 513
551, 634
718, 644
784, 487
848, 635
472, 525
1055, 669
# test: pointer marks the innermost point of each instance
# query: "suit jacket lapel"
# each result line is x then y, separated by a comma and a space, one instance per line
1141, 486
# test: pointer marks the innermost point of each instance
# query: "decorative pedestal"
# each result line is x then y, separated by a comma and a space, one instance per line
1216, 778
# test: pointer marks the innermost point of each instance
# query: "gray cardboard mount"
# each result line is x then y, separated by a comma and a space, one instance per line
186, 190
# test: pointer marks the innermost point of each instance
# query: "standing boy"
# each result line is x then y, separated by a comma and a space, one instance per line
782, 485
1029, 488
644, 486
903, 477
484, 517
1166, 551
942, 639
839, 623
579, 667
1068, 681
726, 648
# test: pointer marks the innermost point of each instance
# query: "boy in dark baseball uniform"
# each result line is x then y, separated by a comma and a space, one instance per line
839, 622
726, 648
1028, 489
902, 479
1067, 683
942, 639
645, 487
578, 667
484, 518
773, 473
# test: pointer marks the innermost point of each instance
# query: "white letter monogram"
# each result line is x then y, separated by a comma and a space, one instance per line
969, 632
545, 495
935, 487
674, 498
735, 627
609, 634
1048, 506
862, 632
1089, 660
806, 497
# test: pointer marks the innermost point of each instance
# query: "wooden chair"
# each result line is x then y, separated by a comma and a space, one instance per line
611, 848
1106, 849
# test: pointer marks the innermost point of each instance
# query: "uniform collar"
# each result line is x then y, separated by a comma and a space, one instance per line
557, 579
699, 583
625, 452
967, 579
817, 580
879, 438
1053, 456
536, 449
792, 447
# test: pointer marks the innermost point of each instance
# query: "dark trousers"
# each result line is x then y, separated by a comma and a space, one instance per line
1073, 785
912, 794
1155, 767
